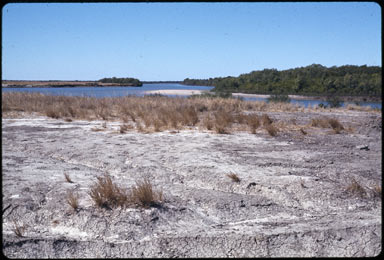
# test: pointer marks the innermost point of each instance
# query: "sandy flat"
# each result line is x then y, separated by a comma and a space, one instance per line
291, 199
181, 92
186, 92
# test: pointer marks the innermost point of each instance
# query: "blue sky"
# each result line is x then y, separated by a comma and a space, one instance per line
173, 41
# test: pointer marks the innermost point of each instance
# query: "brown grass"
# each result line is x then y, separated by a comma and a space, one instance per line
123, 129
356, 189
208, 122
271, 129
18, 229
326, 122
73, 200
144, 195
157, 113
107, 194
67, 178
336, 125
266, 120
303, 131
376, 190
222, 121
253, 122
234, 177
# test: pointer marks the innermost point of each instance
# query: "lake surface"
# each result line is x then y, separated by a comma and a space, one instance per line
107, 91
140, 91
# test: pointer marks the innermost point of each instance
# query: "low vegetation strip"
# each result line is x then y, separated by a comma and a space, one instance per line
73, 83
161, 113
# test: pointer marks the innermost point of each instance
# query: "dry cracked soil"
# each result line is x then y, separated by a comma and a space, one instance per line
295, 196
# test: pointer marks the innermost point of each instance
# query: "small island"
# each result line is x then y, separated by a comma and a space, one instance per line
104, 82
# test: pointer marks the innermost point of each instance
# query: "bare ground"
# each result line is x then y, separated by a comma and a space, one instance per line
294, 197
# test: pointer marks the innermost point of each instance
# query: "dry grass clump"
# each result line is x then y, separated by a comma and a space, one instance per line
107, 194
123, 128
18, 229
208, 122
253, 121
52, 112
271, 129
336, 125
67, 178
320, 122
144, 195
266, 120
376, 190
356, 188
234, 177
358, 108
325, 122
303, 131
73, 200
222, 121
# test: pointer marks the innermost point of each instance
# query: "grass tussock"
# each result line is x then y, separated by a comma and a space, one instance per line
67, 178
326, 122
18, 229
253, 122
73, 200
376, 190
124, 128
335, 125
266, 120
355, 188
144, 195
222, 121
233, 177
106, 194
271, 129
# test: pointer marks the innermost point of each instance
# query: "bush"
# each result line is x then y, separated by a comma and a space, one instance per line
334, 101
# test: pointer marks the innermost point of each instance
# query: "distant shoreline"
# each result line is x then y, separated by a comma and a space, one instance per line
185, 92
176, 92
59, 84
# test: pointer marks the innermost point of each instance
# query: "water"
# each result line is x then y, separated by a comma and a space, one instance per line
106, 91
312, 102
139, 91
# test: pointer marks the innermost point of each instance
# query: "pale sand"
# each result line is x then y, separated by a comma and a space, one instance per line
292, 199
186, 92
181, 92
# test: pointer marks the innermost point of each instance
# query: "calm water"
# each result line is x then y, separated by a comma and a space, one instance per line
106, 91
139, 91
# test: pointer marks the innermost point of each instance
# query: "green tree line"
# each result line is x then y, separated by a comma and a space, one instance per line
310, 80
128, 81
